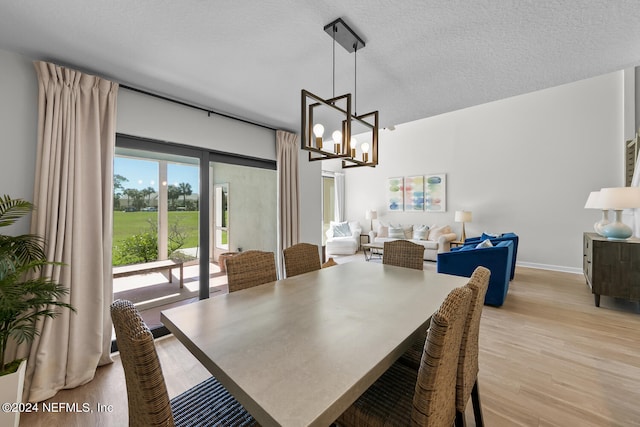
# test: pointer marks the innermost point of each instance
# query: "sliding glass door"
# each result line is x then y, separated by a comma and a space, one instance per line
177, 209
155, 229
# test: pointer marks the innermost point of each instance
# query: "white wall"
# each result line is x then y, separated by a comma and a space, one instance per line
146, 116
18, 123
524, 164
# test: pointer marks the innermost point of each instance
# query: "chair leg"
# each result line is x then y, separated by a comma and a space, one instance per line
460, 419
477, 409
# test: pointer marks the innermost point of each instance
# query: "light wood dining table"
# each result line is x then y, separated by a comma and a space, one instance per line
299, 351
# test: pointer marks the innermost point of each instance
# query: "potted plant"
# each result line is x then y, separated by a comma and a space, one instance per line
25, 296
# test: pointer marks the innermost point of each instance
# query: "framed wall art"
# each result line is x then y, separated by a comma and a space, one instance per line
395, 194
414, 196
435, 193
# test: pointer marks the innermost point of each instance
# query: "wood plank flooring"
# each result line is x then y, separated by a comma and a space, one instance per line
548, 357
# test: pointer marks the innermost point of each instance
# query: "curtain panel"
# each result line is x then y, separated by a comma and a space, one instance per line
74, 210
288, 192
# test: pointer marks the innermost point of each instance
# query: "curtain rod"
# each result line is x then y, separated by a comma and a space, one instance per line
186, 104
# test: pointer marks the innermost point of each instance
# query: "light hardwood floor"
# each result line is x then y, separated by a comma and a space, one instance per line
548, 357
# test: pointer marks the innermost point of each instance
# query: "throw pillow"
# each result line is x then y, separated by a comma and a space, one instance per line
485, 244
408, 231
341, 230
420, 232
435, 233
486, 235
396, 233
383, 229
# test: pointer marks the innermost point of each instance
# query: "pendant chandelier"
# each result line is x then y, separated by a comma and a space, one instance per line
336, 118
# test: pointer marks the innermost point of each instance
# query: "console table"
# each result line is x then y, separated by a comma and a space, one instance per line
612, 267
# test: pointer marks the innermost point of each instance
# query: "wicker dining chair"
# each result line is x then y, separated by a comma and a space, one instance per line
403, 396
301, 258
208, 403
467, 381
251, 268
412, 356
403, 253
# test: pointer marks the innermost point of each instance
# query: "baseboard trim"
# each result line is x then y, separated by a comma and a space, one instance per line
551, 267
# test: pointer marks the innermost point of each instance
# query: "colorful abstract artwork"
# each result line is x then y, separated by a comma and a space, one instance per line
435, 195
395, 194
414, 193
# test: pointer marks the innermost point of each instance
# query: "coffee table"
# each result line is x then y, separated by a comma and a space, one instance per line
373, 249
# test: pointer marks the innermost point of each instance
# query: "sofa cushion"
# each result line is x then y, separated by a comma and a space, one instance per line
428, 244
485, 244
341, 229
436, 232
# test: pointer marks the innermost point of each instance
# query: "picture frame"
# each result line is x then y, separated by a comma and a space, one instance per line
435, 193
395, 194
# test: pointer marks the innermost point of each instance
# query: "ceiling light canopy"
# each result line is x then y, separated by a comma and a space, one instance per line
328, 124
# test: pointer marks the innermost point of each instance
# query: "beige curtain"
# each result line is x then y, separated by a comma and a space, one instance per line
72, 195
288, 192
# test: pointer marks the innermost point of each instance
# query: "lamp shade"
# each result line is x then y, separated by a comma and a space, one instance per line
371, 214
619, 198
593, 201
462, 216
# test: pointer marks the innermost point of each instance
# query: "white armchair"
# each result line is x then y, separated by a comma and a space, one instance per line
343, 238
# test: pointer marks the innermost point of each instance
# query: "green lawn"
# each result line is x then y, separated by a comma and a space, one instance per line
126, 224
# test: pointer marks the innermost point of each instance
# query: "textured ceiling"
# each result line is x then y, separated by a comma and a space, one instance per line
251, 58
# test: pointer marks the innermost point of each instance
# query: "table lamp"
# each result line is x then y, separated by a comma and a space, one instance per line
462, 216
619, 198
593, 202
371, 215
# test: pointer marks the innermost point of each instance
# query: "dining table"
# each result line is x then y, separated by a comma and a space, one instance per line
299, 351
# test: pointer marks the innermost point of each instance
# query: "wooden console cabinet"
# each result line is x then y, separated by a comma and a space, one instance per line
612, 267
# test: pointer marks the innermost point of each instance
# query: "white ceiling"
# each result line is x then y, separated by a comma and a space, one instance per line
251, 58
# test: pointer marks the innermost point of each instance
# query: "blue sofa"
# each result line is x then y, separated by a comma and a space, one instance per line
513, 237
462, 261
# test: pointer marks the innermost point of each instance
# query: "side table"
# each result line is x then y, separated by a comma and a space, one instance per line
368, 241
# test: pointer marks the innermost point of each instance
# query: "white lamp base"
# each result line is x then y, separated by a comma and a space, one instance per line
598, 226
617, 230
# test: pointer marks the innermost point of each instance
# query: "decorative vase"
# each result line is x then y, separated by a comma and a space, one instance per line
11, 387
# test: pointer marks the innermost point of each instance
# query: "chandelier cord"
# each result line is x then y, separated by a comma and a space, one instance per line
334, 60
355, 79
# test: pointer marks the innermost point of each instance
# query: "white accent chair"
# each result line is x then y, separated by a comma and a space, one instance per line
342, 240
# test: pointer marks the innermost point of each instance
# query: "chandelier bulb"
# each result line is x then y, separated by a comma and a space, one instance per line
337, 139
337, 136
353, 144
318, 130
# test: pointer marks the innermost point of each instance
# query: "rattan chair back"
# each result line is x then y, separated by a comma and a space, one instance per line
301, 258
207, 403
434, 401
469, 348
403, 253
250, 268
148, 399
427, 397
